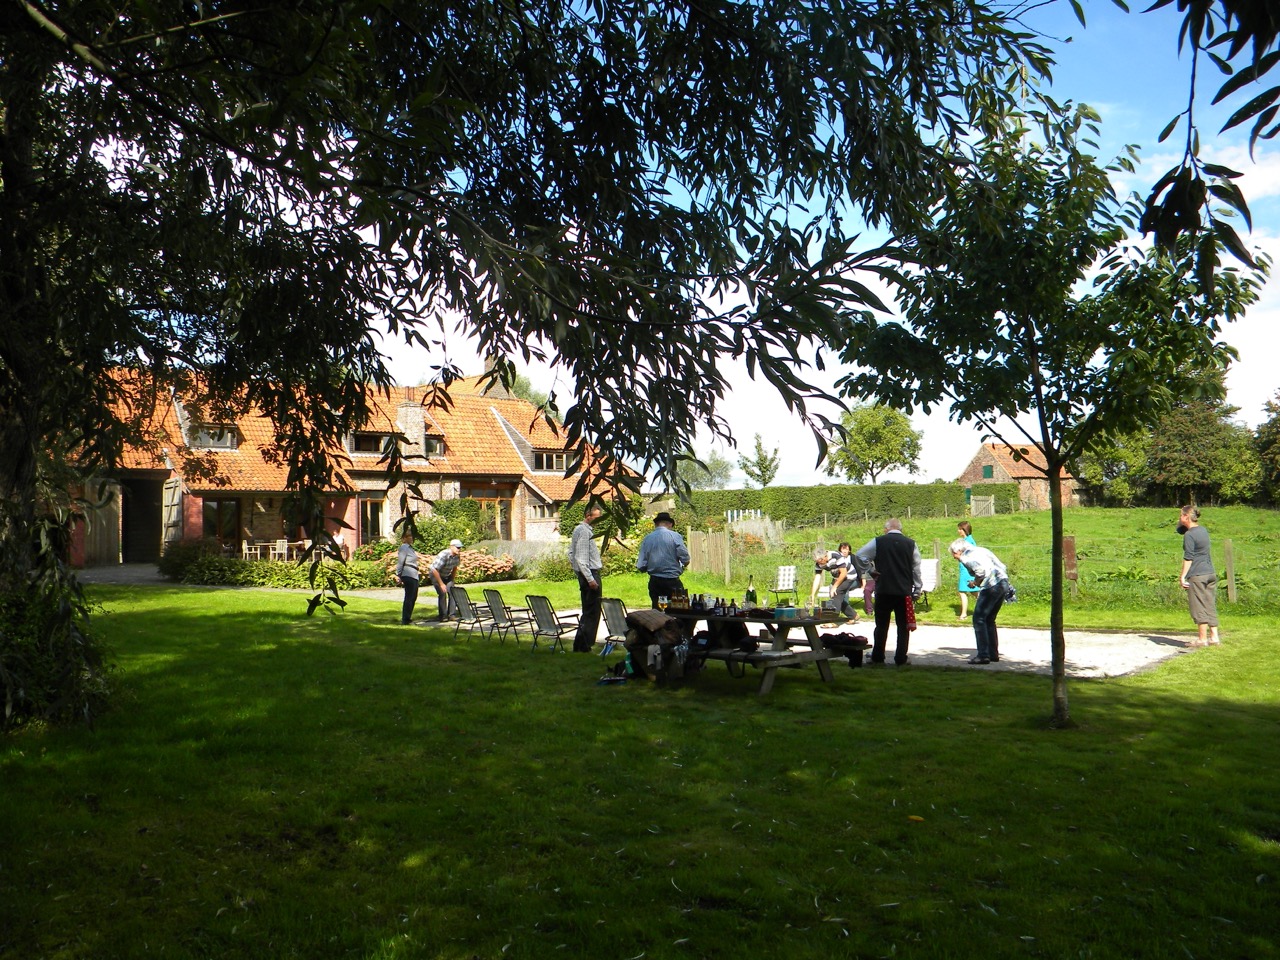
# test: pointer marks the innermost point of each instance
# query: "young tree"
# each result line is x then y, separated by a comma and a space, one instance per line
876, 438
761, 466
1002, 326
235, 199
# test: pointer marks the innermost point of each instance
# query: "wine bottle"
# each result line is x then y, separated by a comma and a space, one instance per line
750, 596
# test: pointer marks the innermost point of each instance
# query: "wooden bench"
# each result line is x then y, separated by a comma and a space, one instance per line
771, 661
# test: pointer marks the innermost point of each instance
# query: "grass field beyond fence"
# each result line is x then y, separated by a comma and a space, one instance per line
271, 785
1128, 559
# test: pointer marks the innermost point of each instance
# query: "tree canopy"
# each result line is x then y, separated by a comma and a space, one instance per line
237, 198
707, 471
875, 438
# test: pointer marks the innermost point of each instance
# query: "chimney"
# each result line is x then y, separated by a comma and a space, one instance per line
413, 425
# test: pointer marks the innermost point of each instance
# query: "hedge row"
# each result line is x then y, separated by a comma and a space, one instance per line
804, 506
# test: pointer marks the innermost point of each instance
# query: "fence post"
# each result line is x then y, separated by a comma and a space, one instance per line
937, 549
1229, 562
728, 552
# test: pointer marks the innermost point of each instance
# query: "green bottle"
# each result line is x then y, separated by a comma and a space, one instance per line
750, 596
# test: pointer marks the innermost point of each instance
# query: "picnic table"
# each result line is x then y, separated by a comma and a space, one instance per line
780, 653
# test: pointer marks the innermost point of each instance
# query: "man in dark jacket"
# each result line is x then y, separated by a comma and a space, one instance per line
897, 561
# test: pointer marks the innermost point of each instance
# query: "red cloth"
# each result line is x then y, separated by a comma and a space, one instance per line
911, 614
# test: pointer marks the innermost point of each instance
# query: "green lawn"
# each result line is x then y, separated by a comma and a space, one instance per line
276, 786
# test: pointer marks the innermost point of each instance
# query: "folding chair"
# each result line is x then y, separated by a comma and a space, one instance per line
506, 620
469, 615
785, 584
547, 624
615, 623
929, 578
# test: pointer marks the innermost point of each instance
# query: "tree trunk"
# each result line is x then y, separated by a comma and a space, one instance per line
1061, 712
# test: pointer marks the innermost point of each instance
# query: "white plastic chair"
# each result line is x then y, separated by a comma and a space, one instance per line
785, 584
928, 579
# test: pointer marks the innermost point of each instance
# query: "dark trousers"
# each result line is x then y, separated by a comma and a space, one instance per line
841, 597
990, 600
663, 587
410, 598
445, 602
890, 605
589, 619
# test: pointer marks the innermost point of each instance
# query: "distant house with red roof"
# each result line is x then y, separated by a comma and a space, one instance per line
194, 480
997, 463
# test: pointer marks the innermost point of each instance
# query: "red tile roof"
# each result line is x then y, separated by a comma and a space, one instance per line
484, 437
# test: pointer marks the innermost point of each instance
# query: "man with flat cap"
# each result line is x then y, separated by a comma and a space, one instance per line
663, 556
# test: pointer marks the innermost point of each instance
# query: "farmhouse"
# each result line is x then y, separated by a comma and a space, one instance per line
190, 479
998, 463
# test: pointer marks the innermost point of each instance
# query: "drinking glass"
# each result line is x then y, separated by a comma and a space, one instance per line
662, 603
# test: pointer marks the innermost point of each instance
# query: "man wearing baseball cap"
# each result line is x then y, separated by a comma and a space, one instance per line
663, 556
442, 569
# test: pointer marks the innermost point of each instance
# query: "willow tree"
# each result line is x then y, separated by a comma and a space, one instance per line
235, 198
1032, 317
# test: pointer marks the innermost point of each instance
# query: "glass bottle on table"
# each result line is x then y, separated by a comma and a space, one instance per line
749, 599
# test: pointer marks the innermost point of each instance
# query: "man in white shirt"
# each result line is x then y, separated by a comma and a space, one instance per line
584, 557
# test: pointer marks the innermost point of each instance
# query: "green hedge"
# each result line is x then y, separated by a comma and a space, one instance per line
211, 571
805, 506
465, 509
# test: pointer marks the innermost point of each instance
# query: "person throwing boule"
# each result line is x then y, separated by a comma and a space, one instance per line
987, 572
442, 569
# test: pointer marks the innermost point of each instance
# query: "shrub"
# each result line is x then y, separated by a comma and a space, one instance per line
475, 566
465, 509
373, 550
619, 560
555, 566
433, 533
180, 554
221, 571
51, 666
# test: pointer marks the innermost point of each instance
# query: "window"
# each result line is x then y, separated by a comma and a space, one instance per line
988, 472
545, 460
222, 520
222, 436
432, 446
370, 519
543, 511
370, 442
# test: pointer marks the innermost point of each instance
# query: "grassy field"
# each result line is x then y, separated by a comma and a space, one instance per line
276, 786
1128, 562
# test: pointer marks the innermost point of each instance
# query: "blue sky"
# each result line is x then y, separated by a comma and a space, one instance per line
1127, 66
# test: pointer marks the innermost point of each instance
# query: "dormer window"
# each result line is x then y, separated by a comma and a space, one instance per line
370, 442
223, 436
433, 446
546, 460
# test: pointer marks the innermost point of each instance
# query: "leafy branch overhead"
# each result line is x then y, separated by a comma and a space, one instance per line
1239, 37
